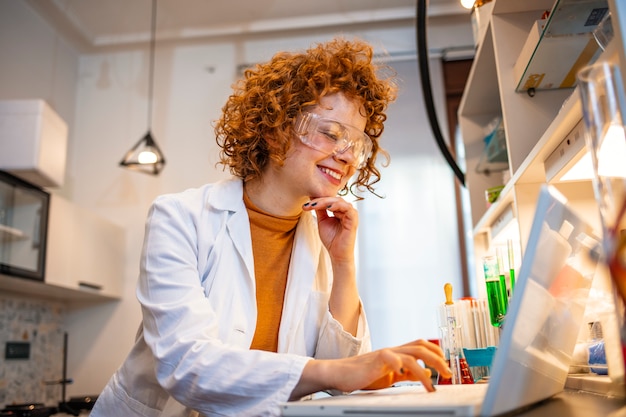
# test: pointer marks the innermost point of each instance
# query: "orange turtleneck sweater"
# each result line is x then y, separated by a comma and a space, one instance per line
272, 242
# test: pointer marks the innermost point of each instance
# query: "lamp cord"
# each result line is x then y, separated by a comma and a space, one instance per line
151, 74
424, 71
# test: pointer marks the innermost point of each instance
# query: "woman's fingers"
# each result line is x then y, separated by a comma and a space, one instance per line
384, 367
432, 355
335, 205
337, 222
414, 371
429, 353
420, 348
327, 203
425, 343
409, 370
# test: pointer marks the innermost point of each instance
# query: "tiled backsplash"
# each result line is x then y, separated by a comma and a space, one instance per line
39, 323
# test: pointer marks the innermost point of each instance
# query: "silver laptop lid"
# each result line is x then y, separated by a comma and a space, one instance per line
546, 312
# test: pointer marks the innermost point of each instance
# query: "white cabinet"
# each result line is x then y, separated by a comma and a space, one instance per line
85, 252
84, 261
535, 126
33, 139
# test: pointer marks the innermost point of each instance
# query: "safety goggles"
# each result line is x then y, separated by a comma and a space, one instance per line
333, 137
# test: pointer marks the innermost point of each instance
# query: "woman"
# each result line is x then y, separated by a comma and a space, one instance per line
248, 286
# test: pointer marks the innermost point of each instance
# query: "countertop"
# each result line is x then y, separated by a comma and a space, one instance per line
576, 403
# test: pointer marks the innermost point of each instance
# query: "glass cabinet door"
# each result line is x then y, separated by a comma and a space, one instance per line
23, 227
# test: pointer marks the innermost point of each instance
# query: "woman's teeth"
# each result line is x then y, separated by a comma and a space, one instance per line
333, 174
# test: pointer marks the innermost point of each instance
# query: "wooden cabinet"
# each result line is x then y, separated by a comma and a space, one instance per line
535, 125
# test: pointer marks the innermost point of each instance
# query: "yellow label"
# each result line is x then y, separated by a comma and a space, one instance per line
534, 81
583, 59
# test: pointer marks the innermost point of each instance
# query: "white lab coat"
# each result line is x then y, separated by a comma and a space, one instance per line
197, 293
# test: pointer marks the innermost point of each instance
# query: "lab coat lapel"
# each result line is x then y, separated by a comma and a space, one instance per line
303, 268
239, 230
229, 197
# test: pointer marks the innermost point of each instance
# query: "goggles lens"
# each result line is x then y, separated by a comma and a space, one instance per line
333, 137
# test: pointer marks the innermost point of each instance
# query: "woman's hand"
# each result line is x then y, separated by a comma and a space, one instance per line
337, 232
379, 369
338, 235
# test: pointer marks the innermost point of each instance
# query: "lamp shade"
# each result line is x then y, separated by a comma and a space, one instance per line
145, 156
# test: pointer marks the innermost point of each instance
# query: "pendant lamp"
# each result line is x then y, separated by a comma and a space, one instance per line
146, 156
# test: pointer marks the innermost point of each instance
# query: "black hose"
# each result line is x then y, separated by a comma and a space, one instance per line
424, 70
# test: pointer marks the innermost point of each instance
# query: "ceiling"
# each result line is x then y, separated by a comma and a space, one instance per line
93, 24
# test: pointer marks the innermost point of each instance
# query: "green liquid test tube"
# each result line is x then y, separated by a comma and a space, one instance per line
497, 309
504, 293
511, 264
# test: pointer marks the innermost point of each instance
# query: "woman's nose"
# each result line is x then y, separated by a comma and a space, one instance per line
347, 157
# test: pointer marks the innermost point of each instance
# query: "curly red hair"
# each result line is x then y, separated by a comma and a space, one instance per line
257, 121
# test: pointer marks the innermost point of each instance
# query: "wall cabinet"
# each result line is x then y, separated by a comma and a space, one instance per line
534, 125
85, 251
84, 260
33, 138
23, 228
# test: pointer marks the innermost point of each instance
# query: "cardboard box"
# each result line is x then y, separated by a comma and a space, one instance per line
558, 47
555, 62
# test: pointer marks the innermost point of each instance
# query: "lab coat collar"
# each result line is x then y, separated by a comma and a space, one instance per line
227, 195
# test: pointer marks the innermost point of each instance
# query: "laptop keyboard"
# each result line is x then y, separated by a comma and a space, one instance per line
463, 394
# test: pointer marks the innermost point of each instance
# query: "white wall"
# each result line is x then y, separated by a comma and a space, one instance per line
103, 97
407, 241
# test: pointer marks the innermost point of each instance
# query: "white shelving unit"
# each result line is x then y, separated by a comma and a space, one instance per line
534, 126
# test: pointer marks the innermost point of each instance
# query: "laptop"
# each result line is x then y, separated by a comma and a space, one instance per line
537, 340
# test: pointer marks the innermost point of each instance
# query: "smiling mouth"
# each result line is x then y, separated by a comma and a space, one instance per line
336, 175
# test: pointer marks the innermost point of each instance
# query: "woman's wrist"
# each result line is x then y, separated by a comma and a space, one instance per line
316, 376
344, 303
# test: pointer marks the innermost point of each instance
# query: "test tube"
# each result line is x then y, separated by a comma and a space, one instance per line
509, 244
452, 345
494, 292
501, 269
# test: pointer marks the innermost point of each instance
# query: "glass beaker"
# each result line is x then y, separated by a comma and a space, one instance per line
603, 103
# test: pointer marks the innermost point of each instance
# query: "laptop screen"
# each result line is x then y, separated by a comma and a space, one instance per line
546, 312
